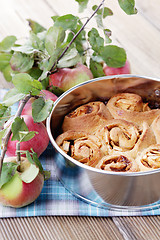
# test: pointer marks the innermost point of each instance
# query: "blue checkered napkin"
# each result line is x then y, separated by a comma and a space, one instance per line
55, 200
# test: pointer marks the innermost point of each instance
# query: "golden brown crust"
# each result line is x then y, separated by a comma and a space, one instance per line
156, 128
86, 117
81, 146
122, 136
149, 159
118, 163
130, 107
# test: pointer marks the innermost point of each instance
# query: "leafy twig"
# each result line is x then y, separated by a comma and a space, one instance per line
8, 134
76, 35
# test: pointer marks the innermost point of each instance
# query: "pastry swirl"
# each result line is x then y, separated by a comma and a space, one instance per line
86, 117
156, 128
130, 107
123, 136
149, 159
81, 146
118, 163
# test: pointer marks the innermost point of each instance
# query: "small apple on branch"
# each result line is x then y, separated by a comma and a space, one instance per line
22, 178
50, 62
21, 183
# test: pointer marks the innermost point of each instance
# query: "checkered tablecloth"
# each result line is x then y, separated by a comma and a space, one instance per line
55, 200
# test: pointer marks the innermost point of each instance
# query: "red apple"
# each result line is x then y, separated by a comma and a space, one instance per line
65, 78
24, 187
116, 71
39, 142
27, 110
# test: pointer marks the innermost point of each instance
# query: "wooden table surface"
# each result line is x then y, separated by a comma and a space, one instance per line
140, 36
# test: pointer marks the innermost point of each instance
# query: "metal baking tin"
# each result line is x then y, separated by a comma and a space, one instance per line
103, 188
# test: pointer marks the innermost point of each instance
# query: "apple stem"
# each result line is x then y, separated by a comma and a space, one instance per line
75, 36
18, 152
8, 134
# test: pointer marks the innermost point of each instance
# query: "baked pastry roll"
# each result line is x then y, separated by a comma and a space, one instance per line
156, 128
149, 158
81, 146
123, 136
86, 117
130, 107
118, 163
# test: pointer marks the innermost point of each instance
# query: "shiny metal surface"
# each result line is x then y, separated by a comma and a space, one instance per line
103, 188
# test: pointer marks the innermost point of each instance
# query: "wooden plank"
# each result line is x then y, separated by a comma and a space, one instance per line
13, 19
70, 228
144, 228
150, 10
140, 39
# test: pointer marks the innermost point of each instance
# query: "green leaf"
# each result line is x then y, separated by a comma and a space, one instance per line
96, 68
104, 12
113, 56
42, 35
41, 109
12, 96
54, 39
54, 18
80, 40
128, 6
28, 156
82, 4
95, 40
79, 44
47, 175
68, 21
18, 125
2, 134
20, 131
37, 162
7, 73
7, 43
8, 171
26, 84
45, 82
71, 58
5, 113
34, 160
26, 48
4, 60
56, 90
29, 174
21, 62
101, 14
36, 27
107, 34
47, 64
36, 42
26, 136
97, 58
35, 72
99, 21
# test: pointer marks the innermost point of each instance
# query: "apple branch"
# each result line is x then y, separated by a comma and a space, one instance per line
8, 134
25, 100
76, 35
